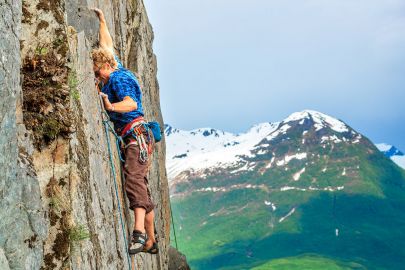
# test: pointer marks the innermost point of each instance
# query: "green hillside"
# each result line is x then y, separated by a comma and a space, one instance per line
346, 209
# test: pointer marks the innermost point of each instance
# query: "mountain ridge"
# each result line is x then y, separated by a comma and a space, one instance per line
197, 150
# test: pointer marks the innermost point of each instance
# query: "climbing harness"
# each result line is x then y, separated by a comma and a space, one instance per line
137, 128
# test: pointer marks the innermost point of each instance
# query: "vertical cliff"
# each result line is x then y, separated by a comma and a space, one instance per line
58, 204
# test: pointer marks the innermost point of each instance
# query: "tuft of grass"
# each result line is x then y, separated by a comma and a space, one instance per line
75, 94
55, 203
59, 202
73, 84
58, 42
41, 51
78, 233
50, 128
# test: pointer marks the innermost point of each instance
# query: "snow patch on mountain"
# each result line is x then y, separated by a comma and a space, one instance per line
357, 139
207, 147
282, 129
288, 158
286, 216
297, 175
321, 120
246, 167
286, 188
333, 138
230, 188
268, 166
272, 205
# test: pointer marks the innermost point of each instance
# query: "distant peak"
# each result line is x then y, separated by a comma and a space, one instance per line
265, 125
210, 131
170, 130
305, 114
321, 120
389, 150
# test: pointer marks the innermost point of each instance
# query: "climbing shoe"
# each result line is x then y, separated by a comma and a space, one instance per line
154, 249
137, 243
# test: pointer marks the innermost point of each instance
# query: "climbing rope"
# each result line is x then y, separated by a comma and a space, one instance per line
174, 227
107, 127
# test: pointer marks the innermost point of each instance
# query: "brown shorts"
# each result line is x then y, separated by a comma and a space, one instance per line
136, 179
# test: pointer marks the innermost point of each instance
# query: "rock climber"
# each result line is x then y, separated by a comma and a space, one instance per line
122, 97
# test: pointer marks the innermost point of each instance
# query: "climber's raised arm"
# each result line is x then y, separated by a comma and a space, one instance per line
105, 37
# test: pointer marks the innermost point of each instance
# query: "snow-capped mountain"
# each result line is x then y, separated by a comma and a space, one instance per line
392, 152
310, 181
208, 148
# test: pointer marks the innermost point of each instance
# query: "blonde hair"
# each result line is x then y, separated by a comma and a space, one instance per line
102, 56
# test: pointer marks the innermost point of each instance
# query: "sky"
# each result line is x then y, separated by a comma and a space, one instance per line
230, 64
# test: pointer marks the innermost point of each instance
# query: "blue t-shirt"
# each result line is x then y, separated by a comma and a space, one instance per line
122, 83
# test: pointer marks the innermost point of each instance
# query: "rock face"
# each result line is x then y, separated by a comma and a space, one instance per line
59, 208
177, 260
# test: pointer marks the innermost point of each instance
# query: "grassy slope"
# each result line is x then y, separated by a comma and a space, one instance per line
370, 233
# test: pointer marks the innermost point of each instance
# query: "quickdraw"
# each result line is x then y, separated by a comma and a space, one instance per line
137, 132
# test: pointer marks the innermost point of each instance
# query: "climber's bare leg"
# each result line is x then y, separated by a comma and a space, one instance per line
150, 229
139, 219
105, 37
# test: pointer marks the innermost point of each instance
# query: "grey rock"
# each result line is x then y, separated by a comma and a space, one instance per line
58, 207
19, 208
177, 260
3, 261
